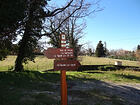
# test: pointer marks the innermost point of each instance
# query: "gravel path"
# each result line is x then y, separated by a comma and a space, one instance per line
129, 93
94, 92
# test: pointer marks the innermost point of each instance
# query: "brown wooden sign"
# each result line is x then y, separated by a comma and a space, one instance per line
52, 53
63, 64
66, 64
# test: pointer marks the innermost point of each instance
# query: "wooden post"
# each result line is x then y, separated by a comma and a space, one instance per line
63, 88
62, 63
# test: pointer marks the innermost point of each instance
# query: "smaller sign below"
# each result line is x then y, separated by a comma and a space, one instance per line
66, 64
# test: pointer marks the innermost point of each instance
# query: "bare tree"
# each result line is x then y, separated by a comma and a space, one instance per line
34, 24
73, 26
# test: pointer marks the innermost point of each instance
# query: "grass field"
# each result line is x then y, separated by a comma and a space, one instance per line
36, 87
42, 63
86, 60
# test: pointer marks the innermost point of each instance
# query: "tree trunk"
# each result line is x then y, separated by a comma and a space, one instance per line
23, 44
22, 52
18, 65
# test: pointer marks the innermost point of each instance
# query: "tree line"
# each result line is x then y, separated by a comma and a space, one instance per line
102, 51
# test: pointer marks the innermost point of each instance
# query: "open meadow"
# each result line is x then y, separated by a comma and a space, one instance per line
37, 86
42, 63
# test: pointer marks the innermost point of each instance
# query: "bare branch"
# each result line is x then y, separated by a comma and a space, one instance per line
48, 34
58, 10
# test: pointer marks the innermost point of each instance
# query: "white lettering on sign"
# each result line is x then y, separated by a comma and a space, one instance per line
63, 65
70, 50
63, 55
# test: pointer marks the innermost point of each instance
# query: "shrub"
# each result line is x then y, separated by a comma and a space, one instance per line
101, 68
108, 68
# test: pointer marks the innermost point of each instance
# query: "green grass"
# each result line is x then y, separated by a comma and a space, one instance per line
86, 60
34, 87
111, 76
42, 63
20, 88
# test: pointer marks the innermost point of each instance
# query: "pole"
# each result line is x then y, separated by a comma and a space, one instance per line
63, 88
63, 74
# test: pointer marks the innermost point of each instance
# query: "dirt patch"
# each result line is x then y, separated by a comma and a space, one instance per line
92, 92
98, 92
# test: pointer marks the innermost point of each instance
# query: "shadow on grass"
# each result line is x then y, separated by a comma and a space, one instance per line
23, 88
14, 87
106, 67
128, 76
95, 72
29, 75
103, 68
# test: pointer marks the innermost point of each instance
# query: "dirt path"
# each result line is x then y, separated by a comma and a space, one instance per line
94, 92
103, 93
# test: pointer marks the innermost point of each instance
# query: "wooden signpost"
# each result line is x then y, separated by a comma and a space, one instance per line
66, 64
63, 62
53, 53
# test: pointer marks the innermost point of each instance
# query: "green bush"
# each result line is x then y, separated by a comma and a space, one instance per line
108, 68
101, 68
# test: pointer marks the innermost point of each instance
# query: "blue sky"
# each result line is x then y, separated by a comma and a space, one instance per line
118, 24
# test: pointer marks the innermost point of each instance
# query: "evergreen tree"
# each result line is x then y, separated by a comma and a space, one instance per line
11, 14
100, 50
32, 29
138, 53
138, 47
